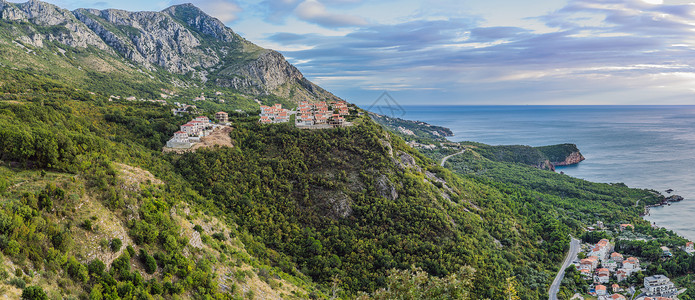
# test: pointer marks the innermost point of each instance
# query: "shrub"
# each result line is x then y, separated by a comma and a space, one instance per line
34, 293
116, 244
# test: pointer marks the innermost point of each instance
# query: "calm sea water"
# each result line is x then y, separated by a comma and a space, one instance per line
641, 146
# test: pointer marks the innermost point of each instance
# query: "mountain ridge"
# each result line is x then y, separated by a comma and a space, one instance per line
180, 42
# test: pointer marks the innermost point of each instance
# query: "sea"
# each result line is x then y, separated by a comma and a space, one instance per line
642, 146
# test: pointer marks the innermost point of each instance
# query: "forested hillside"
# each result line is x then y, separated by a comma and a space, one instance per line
304, 213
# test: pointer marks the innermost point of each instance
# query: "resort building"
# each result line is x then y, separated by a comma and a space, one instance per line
222, 117
689, 248
274, 114
180, 140
659, 286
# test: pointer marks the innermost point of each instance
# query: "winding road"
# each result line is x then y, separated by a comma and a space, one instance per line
449, 156
571, 256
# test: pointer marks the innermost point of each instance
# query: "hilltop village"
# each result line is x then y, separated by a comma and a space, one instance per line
317, 116
608, 272
320, 115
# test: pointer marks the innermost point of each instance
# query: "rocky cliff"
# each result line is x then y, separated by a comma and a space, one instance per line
571, 159
180, 40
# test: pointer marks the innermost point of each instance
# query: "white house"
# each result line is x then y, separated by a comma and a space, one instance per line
659, 286
180, 140
689, 248
603, 275
601, 290
631, 265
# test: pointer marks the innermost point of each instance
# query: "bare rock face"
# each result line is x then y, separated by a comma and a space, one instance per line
181, 39
573, 158
63, 27
386, 188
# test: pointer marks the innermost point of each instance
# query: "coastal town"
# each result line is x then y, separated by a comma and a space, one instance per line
609, 273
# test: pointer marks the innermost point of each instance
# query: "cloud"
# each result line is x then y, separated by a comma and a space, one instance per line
315, 12
276, 11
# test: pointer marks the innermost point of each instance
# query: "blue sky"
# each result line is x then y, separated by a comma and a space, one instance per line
473, 52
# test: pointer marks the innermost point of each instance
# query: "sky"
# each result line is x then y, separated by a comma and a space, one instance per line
472, 52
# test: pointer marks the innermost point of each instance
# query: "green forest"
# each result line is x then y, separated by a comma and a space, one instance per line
346, 212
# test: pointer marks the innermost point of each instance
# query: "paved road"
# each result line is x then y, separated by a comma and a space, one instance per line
571, 256
447, 157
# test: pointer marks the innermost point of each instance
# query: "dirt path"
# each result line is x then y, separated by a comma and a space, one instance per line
447, 157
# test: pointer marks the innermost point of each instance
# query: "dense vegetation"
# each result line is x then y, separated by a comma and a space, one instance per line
347, 208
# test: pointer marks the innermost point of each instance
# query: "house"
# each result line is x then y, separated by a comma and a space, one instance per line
617, 297
616, 288
265, 120
621, 275
610, 265
601, 249
202, 119
602, 275
626, 226
631, 265
659, 286
189, 129
588, 263
617, 257
586, 273
180, 140
222, 117
689, 247
666, 251
601, 290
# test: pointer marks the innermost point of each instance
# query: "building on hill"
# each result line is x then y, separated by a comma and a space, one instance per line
588, 263
666, 252
603, 275
626, 226
274, 114
631, 265
617, 257
659, 286
222, 117
180, 140
621, 275
601, 290
689, 247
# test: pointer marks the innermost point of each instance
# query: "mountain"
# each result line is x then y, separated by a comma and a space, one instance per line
180, 44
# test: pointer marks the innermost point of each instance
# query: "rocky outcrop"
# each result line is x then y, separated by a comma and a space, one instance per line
181, 39
574, 158
386, 189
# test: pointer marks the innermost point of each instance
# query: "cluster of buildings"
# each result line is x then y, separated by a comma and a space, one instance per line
321, 113
274, 114
191, 132
307, 114
612, 263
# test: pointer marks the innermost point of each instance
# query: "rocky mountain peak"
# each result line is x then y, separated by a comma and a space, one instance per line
181, 39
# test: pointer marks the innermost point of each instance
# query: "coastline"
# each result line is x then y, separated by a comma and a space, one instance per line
645, 147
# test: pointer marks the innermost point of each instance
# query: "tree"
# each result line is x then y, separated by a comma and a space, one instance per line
34, 293
116, 244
